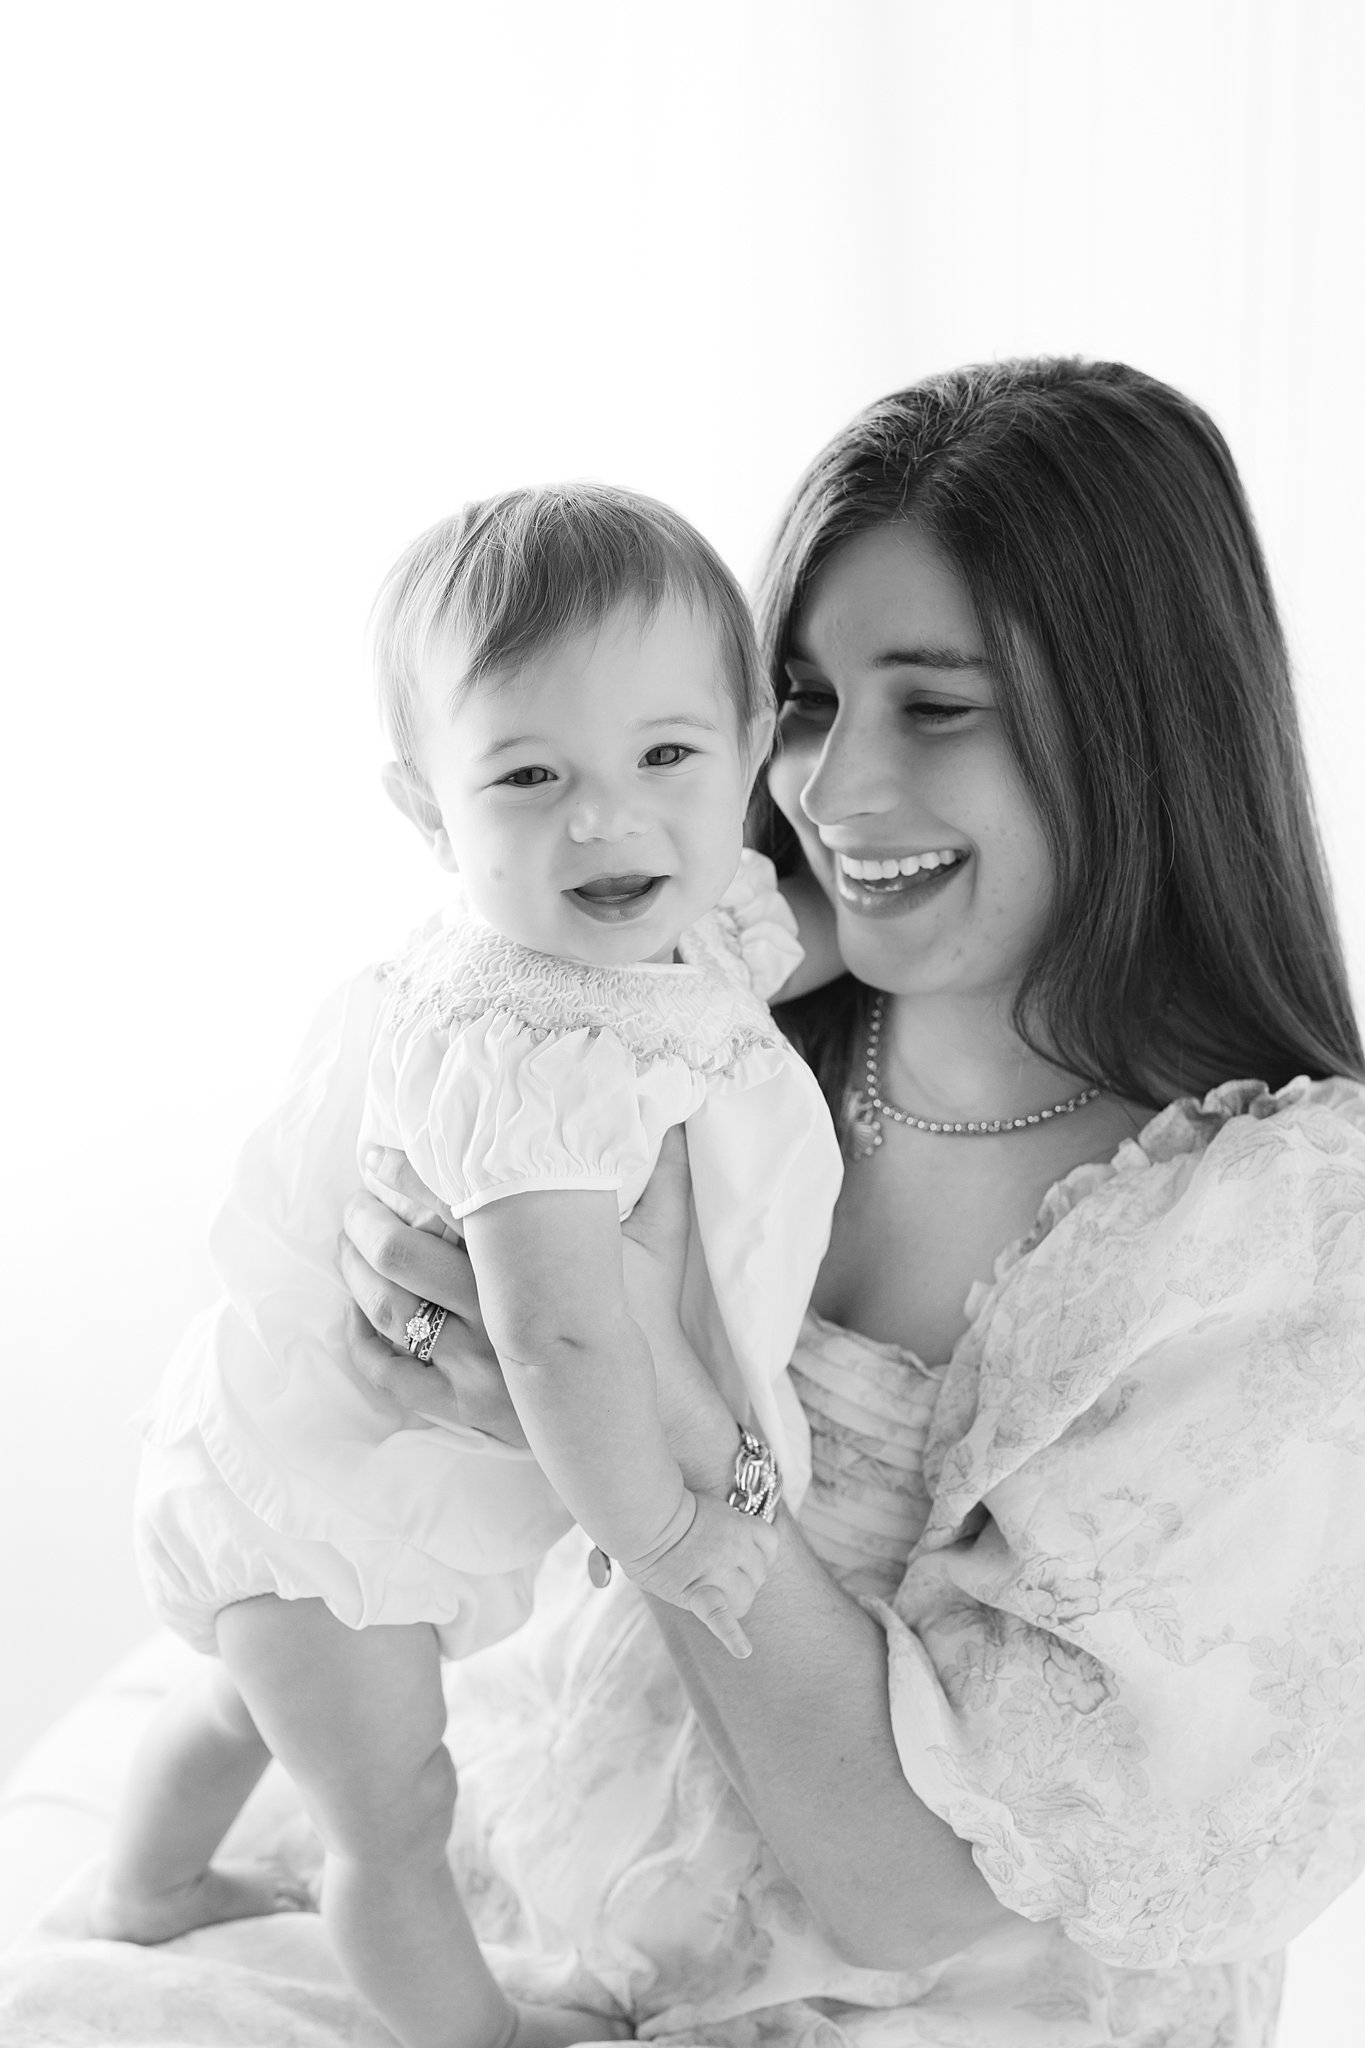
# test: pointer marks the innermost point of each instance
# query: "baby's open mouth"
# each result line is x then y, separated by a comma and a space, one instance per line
617, 896
616, 888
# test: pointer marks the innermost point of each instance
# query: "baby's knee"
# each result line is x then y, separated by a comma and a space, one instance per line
409, 1813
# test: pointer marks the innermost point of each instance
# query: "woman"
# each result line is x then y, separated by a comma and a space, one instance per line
1053, 1730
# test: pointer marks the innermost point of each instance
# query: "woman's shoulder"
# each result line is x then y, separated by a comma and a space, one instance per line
1226, 1241
458, 971
1240, 1134
1247, 1115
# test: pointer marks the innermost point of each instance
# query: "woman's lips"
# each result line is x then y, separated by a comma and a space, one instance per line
617, 899
893, 896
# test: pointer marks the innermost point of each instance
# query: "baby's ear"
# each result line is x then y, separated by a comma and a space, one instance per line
408, 790
759, 745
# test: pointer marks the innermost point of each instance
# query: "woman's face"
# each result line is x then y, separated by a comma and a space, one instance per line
891, 752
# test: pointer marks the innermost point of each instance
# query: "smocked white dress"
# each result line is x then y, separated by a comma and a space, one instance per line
270, 1466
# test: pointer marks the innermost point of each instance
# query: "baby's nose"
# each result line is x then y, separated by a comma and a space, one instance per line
604, 817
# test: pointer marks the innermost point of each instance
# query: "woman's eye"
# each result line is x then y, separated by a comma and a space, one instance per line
938, 714
526, 778
666, 755
807, 702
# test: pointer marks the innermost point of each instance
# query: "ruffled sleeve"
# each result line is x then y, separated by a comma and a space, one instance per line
1127, 1658
490, 1107
763, 925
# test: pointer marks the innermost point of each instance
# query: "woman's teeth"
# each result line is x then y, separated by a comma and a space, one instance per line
888, 870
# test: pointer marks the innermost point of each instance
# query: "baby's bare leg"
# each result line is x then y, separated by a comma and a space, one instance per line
357, 1718
196, 1766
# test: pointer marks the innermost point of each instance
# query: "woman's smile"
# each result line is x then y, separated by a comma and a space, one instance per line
889, 885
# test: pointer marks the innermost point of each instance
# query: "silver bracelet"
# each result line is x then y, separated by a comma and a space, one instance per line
758, 1483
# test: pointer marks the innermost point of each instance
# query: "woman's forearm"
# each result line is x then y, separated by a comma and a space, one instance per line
803, 1729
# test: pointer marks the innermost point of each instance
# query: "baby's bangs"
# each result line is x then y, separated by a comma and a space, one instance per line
512, 576
550, 568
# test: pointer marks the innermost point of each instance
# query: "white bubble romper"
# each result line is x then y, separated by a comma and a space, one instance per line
271, 1466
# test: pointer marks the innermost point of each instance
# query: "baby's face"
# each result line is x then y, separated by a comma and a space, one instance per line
592, 802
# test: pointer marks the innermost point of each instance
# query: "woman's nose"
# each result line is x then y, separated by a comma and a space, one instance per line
856, 776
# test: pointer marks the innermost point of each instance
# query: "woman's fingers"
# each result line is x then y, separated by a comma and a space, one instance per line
391, 1176
384, 1305
463, 1381
661, 1217
654, 1237
406, 1258
410, 1385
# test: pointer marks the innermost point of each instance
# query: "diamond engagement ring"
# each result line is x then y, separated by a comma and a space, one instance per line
422, 1329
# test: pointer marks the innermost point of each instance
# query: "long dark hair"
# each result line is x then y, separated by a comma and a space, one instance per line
1098, 523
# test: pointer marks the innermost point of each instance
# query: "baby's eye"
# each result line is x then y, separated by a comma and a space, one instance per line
527, 778
666, 755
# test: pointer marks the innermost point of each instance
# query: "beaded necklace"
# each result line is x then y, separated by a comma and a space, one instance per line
869, 1105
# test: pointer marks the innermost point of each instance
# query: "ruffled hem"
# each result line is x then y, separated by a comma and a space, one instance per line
201, 1548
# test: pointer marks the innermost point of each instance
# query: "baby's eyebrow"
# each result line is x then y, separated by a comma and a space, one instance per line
688, 718
521, 739
536, 739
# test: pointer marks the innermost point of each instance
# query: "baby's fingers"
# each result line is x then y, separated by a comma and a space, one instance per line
710, 1605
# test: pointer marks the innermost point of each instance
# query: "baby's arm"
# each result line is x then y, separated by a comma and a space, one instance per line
581, 1377
817, 931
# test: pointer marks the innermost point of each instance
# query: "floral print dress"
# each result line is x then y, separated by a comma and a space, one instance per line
1118, 1547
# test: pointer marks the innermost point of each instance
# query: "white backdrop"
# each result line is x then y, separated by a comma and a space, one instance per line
288, 280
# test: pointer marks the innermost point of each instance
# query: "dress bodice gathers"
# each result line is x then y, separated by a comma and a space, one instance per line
869, 1406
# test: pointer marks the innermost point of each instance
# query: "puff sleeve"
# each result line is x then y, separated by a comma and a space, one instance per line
1127, 1659
763, 924
491, 1107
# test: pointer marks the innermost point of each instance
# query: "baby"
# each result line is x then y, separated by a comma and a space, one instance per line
570, 679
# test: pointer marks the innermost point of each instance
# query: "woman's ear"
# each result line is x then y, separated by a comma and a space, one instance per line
408, 790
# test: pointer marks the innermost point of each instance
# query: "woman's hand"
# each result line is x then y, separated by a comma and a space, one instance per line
401, 1247
396, 1252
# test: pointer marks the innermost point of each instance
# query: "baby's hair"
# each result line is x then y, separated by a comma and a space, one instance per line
510, 576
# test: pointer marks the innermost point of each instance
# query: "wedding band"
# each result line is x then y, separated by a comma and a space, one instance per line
422, 1329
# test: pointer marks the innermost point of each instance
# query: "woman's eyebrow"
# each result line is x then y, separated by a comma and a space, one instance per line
951, 659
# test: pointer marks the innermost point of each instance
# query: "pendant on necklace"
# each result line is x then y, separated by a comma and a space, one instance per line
864, 1125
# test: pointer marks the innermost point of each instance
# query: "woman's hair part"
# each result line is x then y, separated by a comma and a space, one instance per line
1099, 526
510, 576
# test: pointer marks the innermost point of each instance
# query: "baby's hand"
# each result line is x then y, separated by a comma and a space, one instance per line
714, 1570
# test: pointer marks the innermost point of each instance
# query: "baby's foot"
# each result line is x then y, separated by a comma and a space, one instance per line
225, 1891
556, 2026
